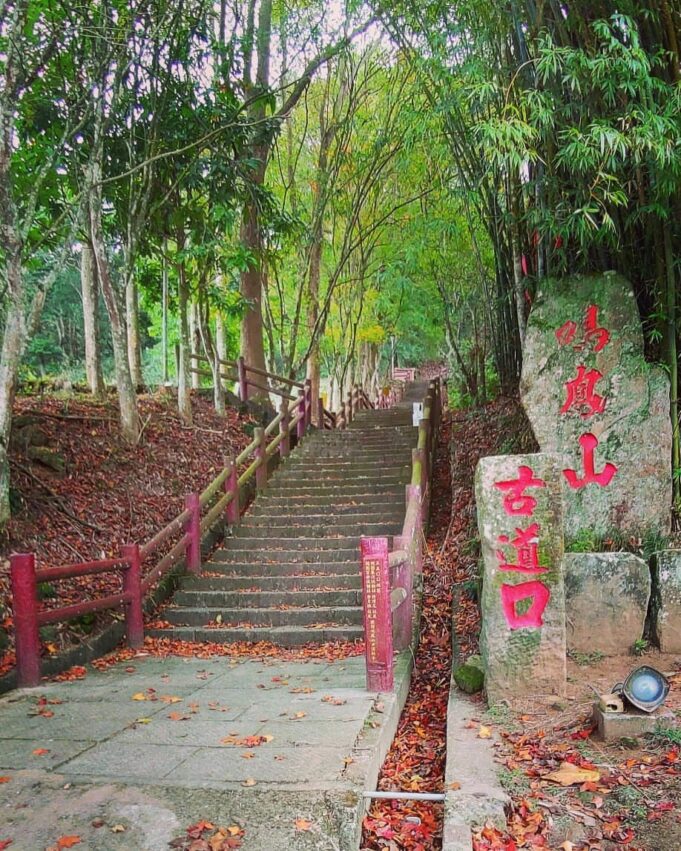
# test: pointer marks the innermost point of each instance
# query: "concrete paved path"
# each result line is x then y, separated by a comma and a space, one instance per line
154, 745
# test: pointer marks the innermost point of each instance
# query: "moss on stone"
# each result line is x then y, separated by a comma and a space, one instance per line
469, 678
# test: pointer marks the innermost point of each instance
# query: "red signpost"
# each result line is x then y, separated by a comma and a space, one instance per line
378, 633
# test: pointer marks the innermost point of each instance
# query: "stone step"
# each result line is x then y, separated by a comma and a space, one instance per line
339, 465
253, 540
321, 531
355, 449
334, 515
341, 503
264, 557
290, 567
340, 483
286, 490
394, 494
284, 636
340, 474
246, 599
293, 616
295, 581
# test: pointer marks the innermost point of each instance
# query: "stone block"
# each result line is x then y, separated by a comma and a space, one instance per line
520, 517
618, 725
591, 397
606, 601
667, 603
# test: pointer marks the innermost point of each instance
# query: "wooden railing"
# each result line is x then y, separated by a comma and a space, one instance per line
181, 538
388, 575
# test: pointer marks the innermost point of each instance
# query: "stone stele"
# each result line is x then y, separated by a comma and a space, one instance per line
584, 377
606, 600
667, 602
523, 630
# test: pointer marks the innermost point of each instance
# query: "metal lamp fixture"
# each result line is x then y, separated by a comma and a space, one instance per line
645, 688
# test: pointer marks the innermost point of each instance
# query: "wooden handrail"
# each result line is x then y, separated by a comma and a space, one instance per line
25, 577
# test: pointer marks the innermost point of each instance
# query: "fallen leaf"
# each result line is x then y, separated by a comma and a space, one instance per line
118, 828
178, 716
234, 830
5, 779
298, 715
170, 698
249, 781
40, 751
140, 695
5, 843
453, 786
484, 732
569, 774
303, 824
68, 841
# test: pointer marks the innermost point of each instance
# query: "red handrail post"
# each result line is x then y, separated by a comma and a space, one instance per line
232, 484
243, 380
378, 632
404, 578
25, 616
284, 436
132, 585
193, 530
261, 456
300, 430
307, 395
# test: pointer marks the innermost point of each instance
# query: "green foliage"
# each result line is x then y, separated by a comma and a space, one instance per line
639, 647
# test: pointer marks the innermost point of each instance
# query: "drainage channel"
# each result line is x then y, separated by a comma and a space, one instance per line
408, 804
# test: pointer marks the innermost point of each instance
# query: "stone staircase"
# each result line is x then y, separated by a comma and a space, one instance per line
290, 573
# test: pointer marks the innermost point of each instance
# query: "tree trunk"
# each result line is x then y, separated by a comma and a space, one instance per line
184, 402
221, 341
93, 358
127, 397
194, 343
672, 358
313, 368
133, 330
164, 315
252, 343
12, 347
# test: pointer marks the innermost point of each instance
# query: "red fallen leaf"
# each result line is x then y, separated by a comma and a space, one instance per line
5, 843
68, 841
303, 824
5, 779
40, 751
194, 831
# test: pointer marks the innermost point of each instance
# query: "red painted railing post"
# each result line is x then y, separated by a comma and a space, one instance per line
193, 530
300, 429
243, 380
132, 585
307, 395
233, 510
378, 633
285, 437
404, 578
25, 616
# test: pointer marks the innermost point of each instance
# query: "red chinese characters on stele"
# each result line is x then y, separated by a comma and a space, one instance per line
525, 543
581, 396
